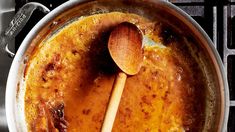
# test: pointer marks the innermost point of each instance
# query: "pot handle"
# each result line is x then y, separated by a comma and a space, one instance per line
17, 23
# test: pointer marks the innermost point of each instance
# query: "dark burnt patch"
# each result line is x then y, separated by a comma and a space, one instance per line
97, 118
53, 65
17, 90
58, 118
50, 67
147, 86
86, 111
56, 90
166, 95
154, 95
143, 69
141, 104
146, 114
44, 78
26, 69
74, 52
146, 100
154, 73
128, 112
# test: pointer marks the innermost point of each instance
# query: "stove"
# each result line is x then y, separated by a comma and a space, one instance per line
216, 17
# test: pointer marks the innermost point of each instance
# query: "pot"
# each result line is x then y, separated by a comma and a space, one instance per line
217, 96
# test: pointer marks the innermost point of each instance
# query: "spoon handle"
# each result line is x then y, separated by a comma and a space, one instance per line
114, 101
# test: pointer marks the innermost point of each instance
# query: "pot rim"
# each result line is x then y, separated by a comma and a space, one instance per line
12, 80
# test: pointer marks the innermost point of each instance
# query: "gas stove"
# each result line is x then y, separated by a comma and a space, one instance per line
216, 17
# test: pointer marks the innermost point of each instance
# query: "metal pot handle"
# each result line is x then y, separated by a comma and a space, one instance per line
17, 23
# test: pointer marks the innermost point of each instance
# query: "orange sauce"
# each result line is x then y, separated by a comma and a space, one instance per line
70, 76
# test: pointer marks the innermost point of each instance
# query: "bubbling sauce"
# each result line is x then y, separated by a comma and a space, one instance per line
69, 80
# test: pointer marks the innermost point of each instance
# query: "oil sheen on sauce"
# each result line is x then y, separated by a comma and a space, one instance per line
70, 76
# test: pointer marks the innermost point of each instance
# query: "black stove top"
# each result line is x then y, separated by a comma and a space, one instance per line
217, 18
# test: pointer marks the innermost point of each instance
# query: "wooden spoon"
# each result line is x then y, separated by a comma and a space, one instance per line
125, 48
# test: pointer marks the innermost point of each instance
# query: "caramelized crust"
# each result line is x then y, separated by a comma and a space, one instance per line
70, 76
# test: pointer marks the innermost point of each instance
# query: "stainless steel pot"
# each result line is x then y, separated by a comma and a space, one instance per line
217, 96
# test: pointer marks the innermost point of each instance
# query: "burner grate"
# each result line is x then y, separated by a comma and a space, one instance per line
229, 45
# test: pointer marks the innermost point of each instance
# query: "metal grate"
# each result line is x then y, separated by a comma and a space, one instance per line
217, 18
229, 57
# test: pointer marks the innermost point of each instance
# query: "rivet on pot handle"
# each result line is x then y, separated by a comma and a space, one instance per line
17, 23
